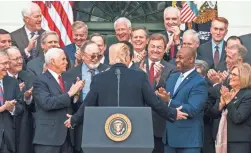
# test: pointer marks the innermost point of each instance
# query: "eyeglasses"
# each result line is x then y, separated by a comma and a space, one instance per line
18, 59
93, 56
5, 63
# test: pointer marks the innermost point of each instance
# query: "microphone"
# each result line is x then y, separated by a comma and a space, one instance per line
117, 72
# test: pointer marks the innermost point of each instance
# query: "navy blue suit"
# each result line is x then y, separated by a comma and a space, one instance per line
70, 50
191, 95
135, 91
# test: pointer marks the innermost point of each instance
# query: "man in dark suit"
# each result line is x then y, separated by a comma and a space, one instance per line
136, 90
53, 97
213, 52
5, 39
27, 38
246, 39
79, 36
90, 62
49, 39
139, 39
24, 123
187, 89
10, 106
100, 41
172, 31
158, 71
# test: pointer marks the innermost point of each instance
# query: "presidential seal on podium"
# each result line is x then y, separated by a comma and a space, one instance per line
118, 127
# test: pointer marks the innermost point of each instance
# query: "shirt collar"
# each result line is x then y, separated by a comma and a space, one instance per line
28, 32
102, 60
188, 72
130, 64
220, 45
150, 62
54, 74
11, 75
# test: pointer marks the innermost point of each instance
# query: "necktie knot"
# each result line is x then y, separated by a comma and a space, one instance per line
32, 34
92, 71
216, 47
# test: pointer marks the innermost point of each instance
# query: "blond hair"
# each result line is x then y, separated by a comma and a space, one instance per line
244, 70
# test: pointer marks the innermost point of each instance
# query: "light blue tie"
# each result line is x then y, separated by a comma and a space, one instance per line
178, 82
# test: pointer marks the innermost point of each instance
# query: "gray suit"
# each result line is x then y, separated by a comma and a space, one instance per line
35, 66
246, 39
52, 105
205, 52
19, 38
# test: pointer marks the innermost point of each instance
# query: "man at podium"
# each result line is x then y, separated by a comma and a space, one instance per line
134, 91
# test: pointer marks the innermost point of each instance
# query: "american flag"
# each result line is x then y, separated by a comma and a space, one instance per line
58, 17
189, 12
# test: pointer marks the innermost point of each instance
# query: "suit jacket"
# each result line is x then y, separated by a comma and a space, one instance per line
191, 95
135, 91
158, 121
35, 66
246, 39
7, 121
205, 52
238, 117
71, 76
19, 38
52, 105
24, 122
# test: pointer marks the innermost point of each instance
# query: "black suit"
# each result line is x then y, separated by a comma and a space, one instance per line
135, 91
24, 123
238, 122
158, 121
20, 39
71, 76
7, 121
205, 52
51, 108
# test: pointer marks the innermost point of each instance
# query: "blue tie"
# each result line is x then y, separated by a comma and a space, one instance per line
178, 82
1, 95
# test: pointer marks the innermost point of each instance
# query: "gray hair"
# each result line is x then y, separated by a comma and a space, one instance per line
203, 66
52, 53
193, 33
12, 48
241, 50
78, 24
28, 10
123, 20
171, 9
46, 34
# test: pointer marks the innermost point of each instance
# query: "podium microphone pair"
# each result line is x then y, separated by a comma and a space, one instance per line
117, 73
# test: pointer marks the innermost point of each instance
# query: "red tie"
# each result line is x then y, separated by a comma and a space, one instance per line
172, 52
216, 56
151, 73
1, 95
61, 83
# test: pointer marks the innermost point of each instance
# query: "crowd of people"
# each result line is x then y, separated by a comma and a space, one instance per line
200, 94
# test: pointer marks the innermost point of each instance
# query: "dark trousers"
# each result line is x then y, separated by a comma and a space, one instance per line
3, 148
238, 147
158, 145
65, 148
169, 149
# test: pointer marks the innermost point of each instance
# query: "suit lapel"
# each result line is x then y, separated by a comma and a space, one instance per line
53, 81
238, 97
210, 53
5, 88
187, 79
24, 37
223, 54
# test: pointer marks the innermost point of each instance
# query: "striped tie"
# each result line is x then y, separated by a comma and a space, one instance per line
1, 95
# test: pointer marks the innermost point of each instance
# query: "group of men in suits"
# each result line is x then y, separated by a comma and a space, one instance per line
50, 86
